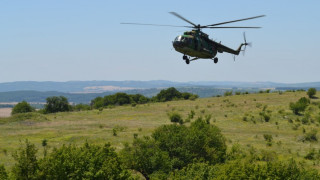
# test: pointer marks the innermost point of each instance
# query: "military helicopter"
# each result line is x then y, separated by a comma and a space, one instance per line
197, 44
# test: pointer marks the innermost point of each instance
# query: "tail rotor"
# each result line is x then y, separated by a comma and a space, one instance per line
245, 43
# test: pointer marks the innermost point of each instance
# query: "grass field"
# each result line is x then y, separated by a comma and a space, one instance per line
237, 116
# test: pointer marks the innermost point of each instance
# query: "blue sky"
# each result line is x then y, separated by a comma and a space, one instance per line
84, 40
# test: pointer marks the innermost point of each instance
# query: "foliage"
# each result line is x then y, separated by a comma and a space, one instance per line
179, 144
265, 116
228, 93
175, 117
268, 138
57, 104
146, 157
245, 170
168, 95
81, 107
118, 99
85, 162
123, 98
26, 165
311, 92
22, 107
69, 162
3, 173
300, 105
311, 136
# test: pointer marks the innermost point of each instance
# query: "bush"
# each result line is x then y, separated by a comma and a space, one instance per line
228, 93
265, 116
69, 162
300, 105
311, 136
22, 107
311, 92
175, 117
245, 170
81, 107
268, 138
26, 165
85, 162
3, 173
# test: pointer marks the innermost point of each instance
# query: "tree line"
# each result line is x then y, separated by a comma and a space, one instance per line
61, 104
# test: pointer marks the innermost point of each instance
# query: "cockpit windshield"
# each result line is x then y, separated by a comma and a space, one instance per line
183, 39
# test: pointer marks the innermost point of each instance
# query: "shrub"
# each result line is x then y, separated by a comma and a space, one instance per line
191, 114
3, 173
300, 105
311, 154
228, 93
26, 165
175, 117
268, 138
85, 162
265, 116
146, 157
311, 136
81, 107
245, 170
311, 92
22, 107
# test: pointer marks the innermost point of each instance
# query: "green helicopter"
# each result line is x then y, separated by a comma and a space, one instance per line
198, 45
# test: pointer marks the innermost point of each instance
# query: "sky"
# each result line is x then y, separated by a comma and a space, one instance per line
84, 40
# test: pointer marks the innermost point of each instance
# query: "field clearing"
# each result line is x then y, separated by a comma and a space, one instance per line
5, 112
227, 113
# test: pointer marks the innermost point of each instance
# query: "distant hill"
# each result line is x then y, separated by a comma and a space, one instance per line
38, 96
104, 86
85, 91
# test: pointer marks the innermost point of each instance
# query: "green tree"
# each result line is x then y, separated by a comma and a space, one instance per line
168, 94
57, 104
146, 157
300, 105
22, 107
311, 92
97, 103
180, 145
26, 165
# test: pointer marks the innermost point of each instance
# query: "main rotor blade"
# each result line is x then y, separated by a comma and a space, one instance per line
237, 20
179, 16
155, 25
230, 27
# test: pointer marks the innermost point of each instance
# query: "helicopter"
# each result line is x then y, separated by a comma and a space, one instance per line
198, 45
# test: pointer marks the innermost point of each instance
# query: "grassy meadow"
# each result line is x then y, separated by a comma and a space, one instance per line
238, 117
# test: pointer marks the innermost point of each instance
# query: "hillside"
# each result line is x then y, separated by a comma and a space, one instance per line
239, 118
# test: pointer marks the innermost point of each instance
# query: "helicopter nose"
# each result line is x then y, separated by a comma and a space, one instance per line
177, 44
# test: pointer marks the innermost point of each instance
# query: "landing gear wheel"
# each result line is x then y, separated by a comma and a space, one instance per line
187, 61
215, 60
184, 57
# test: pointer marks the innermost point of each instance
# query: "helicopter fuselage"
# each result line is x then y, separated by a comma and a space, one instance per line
195, 44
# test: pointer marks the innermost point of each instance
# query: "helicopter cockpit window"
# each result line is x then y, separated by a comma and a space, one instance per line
178, 38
